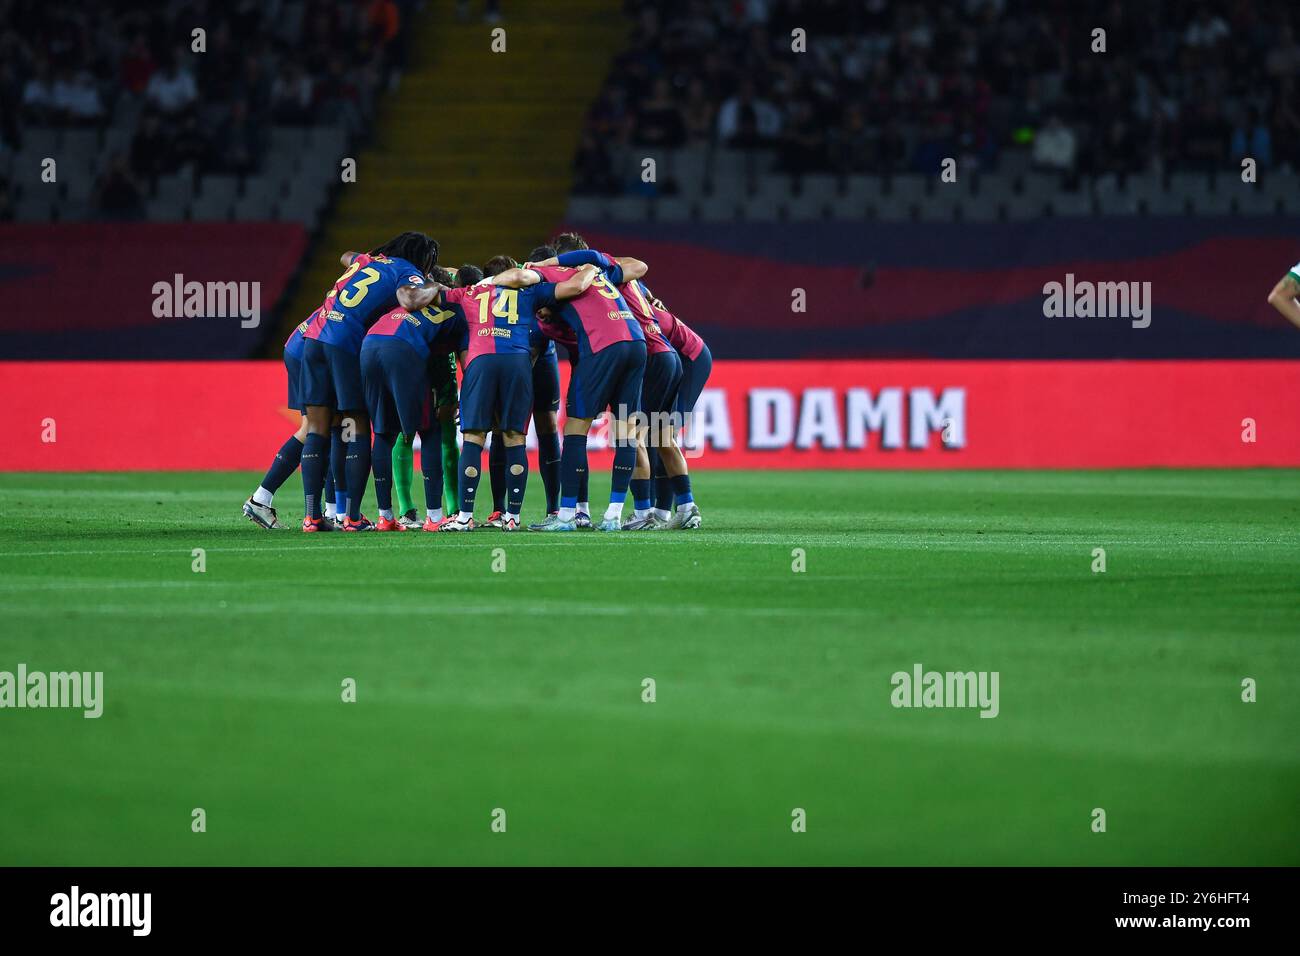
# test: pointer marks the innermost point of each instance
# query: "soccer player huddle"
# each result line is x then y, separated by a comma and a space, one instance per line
374, 367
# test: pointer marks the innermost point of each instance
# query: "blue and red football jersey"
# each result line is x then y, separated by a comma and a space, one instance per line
599, 317
497, 319
293, 344
367, 290
426, 330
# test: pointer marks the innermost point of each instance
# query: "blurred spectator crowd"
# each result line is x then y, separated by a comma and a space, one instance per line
128, 70
892, 86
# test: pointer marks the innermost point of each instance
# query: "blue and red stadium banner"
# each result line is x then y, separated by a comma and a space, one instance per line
89, 416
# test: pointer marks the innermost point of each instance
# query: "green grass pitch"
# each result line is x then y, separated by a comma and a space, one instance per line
522, 690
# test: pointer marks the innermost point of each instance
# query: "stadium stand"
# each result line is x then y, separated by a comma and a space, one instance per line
742, 126
143, 126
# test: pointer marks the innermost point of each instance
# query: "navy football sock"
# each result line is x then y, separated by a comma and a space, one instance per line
663, 486
682, 489
471, 460
584, 476
641, 494
338, 463
573, 469
382, 462
359, 470
497, 471
314, 450
516, 464
431, 466
621, 476
548, 463
285, 464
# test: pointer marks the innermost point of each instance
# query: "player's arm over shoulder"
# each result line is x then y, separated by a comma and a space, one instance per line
414, 292
1284, 294
576, 284
632, 268
515, 278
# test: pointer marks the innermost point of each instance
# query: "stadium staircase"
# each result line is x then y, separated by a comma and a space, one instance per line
474, 147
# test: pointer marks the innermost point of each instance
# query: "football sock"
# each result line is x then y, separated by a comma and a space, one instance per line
663, 514
614, 510
338, 464
548, 463
358, 470
471, 459
584, 478
402, 459
682, 489
382, 461
621, 476
431, 467
573, 467
641, 496
285, 464
313, 476
516, 464
497, 472
663, 487
450, 458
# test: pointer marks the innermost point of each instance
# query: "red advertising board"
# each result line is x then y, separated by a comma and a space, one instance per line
119, 416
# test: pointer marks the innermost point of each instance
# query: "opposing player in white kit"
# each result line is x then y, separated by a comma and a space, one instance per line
1284, 294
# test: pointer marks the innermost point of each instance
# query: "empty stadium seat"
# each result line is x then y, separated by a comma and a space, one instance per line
909, 186
668, 209
982, 207
1070, 204
718, 209
1021, 207
1212, 203
586, 209
1161, 203
892, 208
689, 166
628, 208
1189, 184
1251, 200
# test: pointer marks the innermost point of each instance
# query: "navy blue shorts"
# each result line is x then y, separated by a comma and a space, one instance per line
331, 376
663, 374
293, 371
546, 383
695, 372
497, 392
610, 377
396, 380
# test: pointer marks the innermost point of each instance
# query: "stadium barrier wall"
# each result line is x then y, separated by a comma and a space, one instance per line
95, 290
138, 416
917, 290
